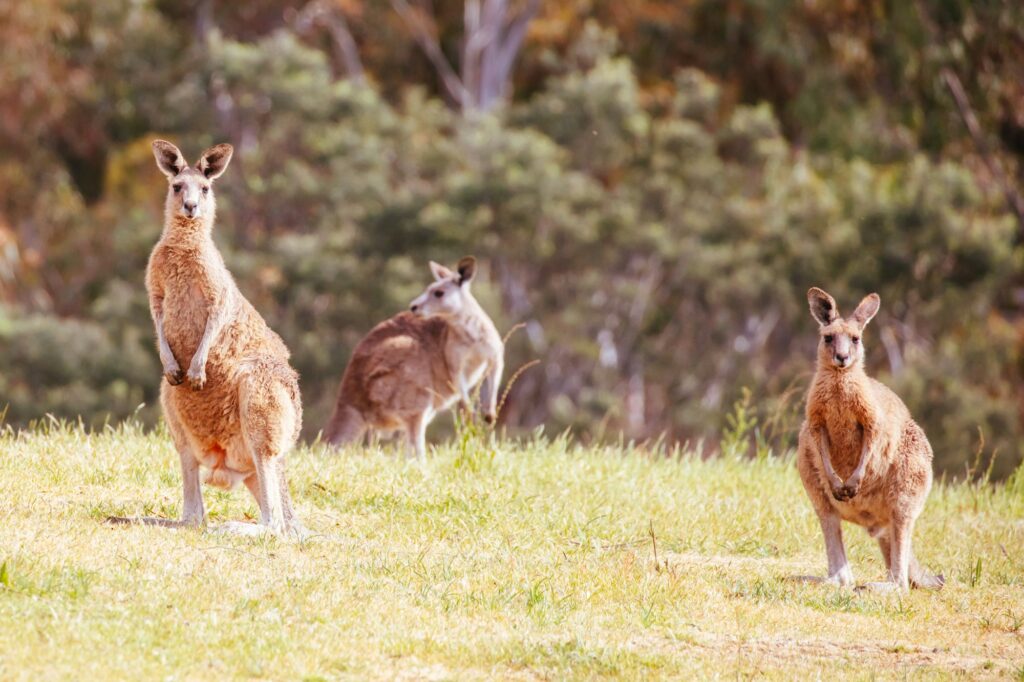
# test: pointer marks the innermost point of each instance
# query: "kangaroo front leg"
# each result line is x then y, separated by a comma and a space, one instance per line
493, 385
465, 395
852, 485
172, 371
215, 321
834, 482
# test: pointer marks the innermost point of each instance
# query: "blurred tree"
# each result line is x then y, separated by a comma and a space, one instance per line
493, 37
662, 185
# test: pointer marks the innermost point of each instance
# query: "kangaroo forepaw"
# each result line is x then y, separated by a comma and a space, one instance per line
845, 492
196, 379
174, 376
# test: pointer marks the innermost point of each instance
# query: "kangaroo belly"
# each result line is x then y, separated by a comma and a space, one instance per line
868, 508
210, 415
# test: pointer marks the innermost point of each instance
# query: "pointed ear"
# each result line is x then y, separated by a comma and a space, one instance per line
823, 306
866, 309
466, 269
215, 160
168, 158
440, 272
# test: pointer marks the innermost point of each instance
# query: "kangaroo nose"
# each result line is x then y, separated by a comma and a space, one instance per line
841, 359
190, 206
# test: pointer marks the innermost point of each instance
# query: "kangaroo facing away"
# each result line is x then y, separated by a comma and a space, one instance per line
861, 457
238, 411
416, 364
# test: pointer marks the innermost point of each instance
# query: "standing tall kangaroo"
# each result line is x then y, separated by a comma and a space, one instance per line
861, 457
416, 364
238, 412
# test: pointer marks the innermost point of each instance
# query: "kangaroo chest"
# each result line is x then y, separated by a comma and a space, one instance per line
191, 283
473, 372
844, 417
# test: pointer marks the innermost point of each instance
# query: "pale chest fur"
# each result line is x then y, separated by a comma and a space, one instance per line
470, 350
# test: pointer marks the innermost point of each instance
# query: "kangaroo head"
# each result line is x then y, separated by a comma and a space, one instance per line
190, 194
840, 345
449, 294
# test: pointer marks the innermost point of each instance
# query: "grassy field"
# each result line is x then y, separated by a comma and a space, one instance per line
516, 560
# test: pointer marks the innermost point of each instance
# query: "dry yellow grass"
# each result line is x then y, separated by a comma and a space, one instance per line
520, 560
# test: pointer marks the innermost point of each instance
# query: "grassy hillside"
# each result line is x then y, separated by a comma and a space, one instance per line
532, 560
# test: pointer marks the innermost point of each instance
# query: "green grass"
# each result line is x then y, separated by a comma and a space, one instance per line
515, 560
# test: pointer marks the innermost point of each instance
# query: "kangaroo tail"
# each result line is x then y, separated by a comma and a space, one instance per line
346, 425
922, 579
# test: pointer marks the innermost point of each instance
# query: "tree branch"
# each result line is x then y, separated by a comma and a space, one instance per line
513, 42
432, 48
963, 105
320, 12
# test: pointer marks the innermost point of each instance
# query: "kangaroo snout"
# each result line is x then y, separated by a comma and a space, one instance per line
841, 360
418, 307
190, 208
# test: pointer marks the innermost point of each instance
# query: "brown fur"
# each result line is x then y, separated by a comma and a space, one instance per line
880, 459
416, 364
239, 411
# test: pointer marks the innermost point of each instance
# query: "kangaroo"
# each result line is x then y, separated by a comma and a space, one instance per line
861, 456
236, 411
416, 364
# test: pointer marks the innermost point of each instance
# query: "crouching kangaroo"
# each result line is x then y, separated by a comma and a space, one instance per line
235, 410
861, 457
416, 364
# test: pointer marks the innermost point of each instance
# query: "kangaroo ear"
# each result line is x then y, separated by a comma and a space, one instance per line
866, 309
467, 269
823, 306
168, 158
215, 160
440, 272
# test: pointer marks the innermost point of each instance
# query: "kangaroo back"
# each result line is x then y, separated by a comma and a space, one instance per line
397, 370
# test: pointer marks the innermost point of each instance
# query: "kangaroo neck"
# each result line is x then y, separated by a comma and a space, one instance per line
188, 232
843, 381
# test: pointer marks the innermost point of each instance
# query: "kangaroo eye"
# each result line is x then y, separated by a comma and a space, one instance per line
438, 294
855, 339
177, 188
206, 190
828, 339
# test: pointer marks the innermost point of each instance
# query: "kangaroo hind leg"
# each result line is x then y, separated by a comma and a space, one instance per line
269, 426
192, 512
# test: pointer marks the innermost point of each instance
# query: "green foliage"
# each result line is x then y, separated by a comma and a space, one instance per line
71, 367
